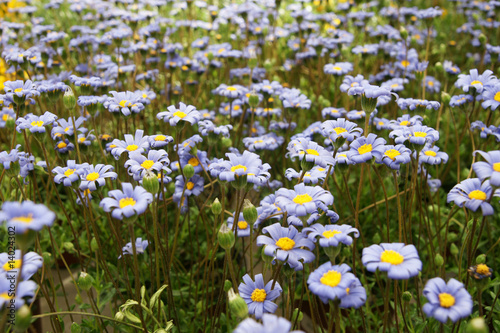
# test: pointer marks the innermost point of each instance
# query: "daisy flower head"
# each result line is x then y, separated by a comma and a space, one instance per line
232, 92
198, 162
490, 169
241, 169
18, 91
269, 141
303, 200
461, 100
418, 135
63, 146
394, 156
356, 296
140, 247
312, 176
286, 244
333, 112
208, 128
184, 113
447, 300
125, 102
432, 155
293, 98
491, 97
184, 189
69, 174
417, 104
127, 204
17, 296
132, 143
331, 234
475, 80
400, 261
270, 324
35, 124
26, 216
139, 165
431, 84
242, 226
338, 68
93, 176
341, 130
351, 82
309, 153
31, 262
406, 120
258, 295
396, 84
363, 149
159, 140
472, 194
331, 282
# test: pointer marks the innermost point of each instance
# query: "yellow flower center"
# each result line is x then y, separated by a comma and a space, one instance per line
37, 123
147, 164
160, 138
66, 129
404, 123
476, 82
339, 130
331, 278
92, 176
242, 225
285, 243
18, 90
230, 88
189, 185
337, 68
405, 63
392, 257
392, 153
446, 300
395, 85
106, 137
477, 194
132, 147
258, 295
430, 153
5, 296
497, 97
302, 199
194, 161
81, 140
5, 117
69, 172
312, 152
496, 167
124, 103
430, 83
237, 167
13, 264
331, 233
61, 145
126, 202
236, 107
482, 269
180, 114
24, 219
366, 148
420, 134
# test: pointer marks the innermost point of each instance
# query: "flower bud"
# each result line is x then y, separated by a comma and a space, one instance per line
23, 319
237, 304
216, 207
93, 245
297, 313
253, 100
477, 325
225, 236
482, 39
69, 99
119, 316
438, 259
376, 238
453, 249
481, 259
47, 259
75, 328
445, 97
407, 296
188, 171
226, 142
249, 212
439, 67
403, 32
151, 183
85, 281
68, 246
227, 285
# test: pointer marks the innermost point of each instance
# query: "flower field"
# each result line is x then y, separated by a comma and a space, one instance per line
249, 166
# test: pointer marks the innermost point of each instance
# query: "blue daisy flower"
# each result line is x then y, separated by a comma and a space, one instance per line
330, 282
447, 300
394, 156
270, 324
472, 194
140, 247
185, 113
31, 262
400, 261
331, 234
363, 149
93, 176
139, 165
25, 291
26, 216
489, 169
132, 201
258, 295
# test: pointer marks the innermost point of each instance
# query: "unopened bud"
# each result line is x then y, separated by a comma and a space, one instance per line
93, 245
477, 325
482, 39
237, 304
403, 32
453, 249
23, 319
151, 183
250, 213
376, 238
253, 100
75, 328
225, 236
481, 259
69, 99
188, 171
85, 281
216, 207
119, 316
407, 296
297, 313
227, 285
445, 97
438, 260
